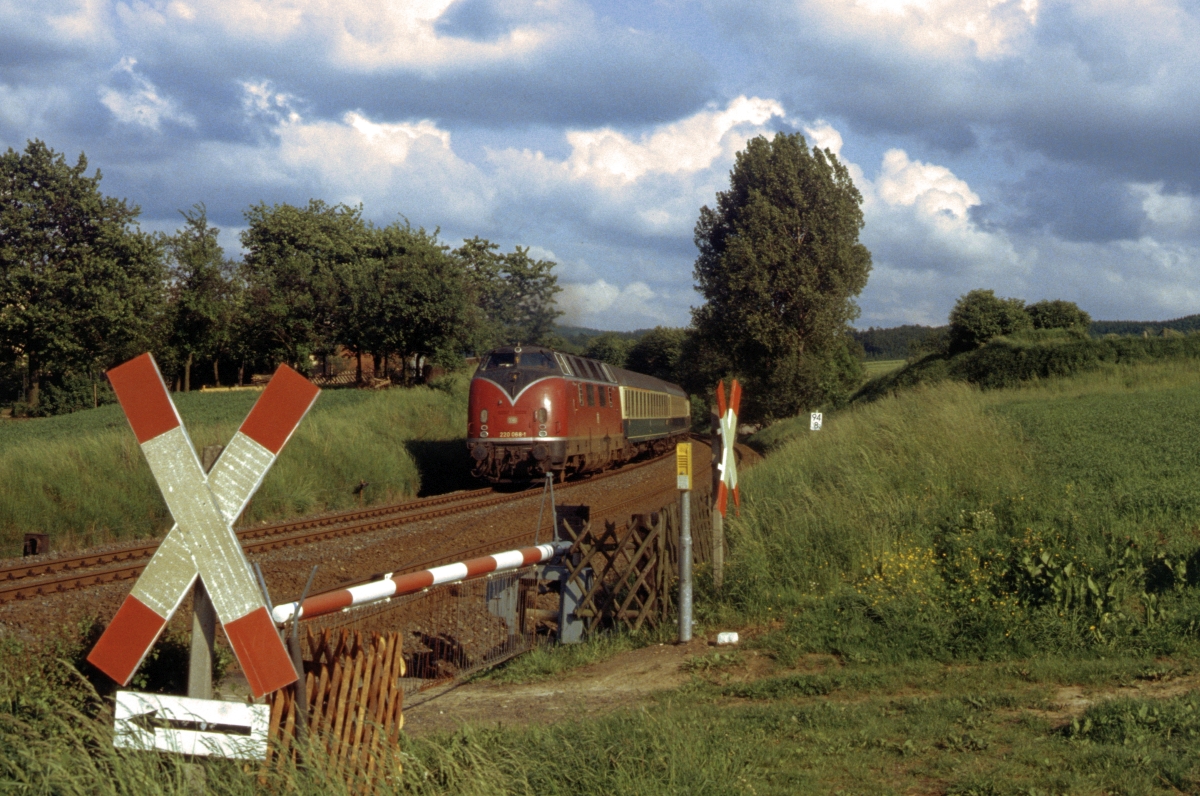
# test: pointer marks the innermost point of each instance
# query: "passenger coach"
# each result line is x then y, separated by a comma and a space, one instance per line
535, 411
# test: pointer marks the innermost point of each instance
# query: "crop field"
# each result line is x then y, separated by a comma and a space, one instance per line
82, 479
954, 591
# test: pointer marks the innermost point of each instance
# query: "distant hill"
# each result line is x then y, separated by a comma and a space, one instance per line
577, 337
1188, 323
891, 343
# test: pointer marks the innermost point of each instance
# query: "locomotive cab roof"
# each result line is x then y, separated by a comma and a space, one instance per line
516, 366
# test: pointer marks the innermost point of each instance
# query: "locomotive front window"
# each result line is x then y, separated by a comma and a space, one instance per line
536, 359
500, 360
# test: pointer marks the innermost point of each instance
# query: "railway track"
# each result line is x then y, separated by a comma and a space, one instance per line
28, 581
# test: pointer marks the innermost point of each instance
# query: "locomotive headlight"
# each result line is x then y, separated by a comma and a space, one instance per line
482, 415
541, 415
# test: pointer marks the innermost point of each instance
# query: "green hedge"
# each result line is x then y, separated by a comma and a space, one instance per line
1039, 354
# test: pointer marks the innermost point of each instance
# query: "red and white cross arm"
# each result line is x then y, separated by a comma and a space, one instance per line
727, 467
333, 601
202, 542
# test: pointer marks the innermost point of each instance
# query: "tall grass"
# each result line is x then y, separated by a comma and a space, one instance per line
82, 477
947, 521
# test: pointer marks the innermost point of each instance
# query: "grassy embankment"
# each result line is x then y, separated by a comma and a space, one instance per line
925, 573
82, 479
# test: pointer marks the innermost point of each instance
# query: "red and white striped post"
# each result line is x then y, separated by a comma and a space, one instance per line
413, 582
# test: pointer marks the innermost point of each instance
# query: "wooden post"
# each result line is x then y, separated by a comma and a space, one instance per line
718, 522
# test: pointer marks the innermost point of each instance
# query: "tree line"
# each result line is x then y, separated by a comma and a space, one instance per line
83, 287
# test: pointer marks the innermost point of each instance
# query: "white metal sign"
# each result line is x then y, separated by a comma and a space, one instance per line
191, 726
814, 421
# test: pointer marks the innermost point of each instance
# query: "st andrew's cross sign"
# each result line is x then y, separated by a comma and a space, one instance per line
727, 424
202, 542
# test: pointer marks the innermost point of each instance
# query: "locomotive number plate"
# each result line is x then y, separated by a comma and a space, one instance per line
513, 434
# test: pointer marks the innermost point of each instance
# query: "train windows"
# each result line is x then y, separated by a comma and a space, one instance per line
500, 359
562, 363
600, 389
607, 372
579, 387
536, 359
591, 393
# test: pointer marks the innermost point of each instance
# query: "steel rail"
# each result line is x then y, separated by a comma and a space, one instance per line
264, 538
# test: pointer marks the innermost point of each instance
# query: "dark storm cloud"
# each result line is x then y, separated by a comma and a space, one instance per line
1115, 95
1071, 203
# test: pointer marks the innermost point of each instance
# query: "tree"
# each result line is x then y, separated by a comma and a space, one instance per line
1058, 315
779, 265
514, 292
422, 308
980, 315
609, 347
201, 294
81, 286
295, 269
658, 353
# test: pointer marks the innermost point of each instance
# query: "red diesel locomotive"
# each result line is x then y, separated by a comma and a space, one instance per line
535, 411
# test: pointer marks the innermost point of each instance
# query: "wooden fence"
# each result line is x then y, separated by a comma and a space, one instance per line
634, 567
355, 707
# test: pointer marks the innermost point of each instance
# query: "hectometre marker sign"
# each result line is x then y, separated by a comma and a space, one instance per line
202, 542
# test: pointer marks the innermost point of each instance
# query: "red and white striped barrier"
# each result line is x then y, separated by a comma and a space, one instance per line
334, 601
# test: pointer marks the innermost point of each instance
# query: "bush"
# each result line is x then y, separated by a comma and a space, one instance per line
979, 316
1058, 315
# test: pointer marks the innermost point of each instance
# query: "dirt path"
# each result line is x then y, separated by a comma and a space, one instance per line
630, 679
626, 680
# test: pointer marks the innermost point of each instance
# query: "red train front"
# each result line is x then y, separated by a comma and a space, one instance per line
535, 411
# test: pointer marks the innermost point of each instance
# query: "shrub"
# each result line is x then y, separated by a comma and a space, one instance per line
979, 316
1058, 315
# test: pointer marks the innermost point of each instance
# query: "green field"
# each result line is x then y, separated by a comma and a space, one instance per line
925, 574
82, 479
881, 366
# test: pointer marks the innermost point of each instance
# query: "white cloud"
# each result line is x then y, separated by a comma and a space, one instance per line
601, 304
1171, 212
822, 135
933, 189
143, 105
687, 146
991, 28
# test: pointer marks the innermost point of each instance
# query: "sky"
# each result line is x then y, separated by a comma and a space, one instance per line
1045, 150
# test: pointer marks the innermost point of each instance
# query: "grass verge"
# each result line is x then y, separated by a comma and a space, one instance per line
82, 478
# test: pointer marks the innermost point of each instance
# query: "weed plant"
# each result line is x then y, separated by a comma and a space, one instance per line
82, 478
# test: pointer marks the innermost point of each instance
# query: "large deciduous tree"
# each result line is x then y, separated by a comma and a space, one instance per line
202, 295
421, 305
514, 291
295, 269
779, 265
81, 286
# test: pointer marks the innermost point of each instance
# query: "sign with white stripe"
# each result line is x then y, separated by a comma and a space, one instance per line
188, 726
202, 542
727, 467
